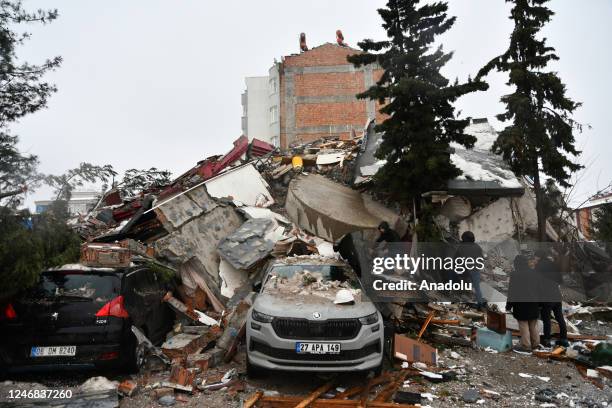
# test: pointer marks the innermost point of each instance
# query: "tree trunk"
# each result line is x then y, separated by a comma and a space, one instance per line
539, 205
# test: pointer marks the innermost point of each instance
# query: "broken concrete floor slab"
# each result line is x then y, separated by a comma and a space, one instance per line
243, 184
331, 210
249, 244
198, 239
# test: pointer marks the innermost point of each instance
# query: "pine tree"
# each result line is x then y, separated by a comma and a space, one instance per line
602, 226
22, 91
421, 122
540, 138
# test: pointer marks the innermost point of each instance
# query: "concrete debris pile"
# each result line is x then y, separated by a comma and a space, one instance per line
219, 224
215, 227
495, 332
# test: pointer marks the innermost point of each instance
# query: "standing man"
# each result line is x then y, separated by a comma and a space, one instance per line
468, 248
549, 277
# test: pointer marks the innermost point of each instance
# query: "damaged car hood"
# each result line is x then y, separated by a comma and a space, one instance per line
303, 307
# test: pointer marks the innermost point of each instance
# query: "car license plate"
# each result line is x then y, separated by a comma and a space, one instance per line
317, 348
53, 351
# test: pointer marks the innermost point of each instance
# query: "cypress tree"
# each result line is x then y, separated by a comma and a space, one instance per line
540, 137
418, 100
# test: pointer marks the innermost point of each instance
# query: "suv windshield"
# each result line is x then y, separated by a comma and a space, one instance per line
310, 280
75, 286
324, 273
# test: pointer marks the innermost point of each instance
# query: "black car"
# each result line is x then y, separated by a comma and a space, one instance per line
80, 316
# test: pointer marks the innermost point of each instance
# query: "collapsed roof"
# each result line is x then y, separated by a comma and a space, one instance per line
484, 173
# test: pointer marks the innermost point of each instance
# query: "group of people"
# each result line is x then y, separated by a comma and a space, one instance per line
534, 293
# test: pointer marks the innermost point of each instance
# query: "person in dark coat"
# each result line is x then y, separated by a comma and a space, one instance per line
388, 243
387, 234
550, 297
523, 302
468, 248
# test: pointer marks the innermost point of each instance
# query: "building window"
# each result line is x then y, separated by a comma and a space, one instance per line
274, 114
273, 86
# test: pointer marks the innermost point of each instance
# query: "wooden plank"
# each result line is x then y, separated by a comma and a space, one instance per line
252, 400
365, 393
315, 394
388, 391
583, 371
427, 321
351, 392
289, 402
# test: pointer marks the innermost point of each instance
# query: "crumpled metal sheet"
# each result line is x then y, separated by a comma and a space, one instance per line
248, 244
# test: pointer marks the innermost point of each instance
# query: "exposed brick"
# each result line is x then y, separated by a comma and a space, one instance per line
326, 54
321, 114
310, 137
331, 84
347, 81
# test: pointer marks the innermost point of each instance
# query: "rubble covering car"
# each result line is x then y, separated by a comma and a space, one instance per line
81, 316
302, 319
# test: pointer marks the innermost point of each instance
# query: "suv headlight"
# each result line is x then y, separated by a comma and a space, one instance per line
370, 319
262, 317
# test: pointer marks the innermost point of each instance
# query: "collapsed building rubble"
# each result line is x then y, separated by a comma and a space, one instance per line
217, 225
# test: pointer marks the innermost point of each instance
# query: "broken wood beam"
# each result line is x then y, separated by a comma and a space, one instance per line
250, 403
351, 392
427, 321
386, 393
315, 394
290, 402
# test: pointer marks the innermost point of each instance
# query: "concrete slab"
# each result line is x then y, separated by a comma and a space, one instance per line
331, 210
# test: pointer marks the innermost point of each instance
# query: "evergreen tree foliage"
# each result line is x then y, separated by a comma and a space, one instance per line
67, 182
602, 226
17, 170
22, 91
418, 100
540, 137
31, 243
135, 180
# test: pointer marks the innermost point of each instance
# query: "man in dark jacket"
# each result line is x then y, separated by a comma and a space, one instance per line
468, 248
387, 234
523, 301
549, 279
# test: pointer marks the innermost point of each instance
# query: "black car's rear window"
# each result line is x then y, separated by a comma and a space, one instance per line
86, 286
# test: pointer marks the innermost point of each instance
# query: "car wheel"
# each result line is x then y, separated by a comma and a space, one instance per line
252, 370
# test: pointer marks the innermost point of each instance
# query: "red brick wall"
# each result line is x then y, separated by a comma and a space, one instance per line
327, 54
329, 84
322, 114
337, 113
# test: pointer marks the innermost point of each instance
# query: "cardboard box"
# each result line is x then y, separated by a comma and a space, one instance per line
411, 350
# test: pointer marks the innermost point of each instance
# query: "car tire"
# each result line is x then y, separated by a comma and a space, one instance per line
253, 371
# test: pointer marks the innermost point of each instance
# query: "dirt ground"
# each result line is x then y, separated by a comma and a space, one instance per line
475, 369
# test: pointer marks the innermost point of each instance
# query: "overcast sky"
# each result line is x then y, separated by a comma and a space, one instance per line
157, 82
